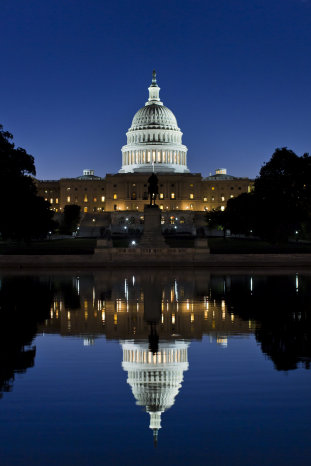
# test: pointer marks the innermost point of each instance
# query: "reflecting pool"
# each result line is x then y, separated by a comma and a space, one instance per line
155, 367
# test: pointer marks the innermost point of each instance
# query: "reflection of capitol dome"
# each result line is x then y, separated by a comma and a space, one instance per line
155, 378
154, 139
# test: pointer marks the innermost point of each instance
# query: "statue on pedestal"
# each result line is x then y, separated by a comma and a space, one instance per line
153, 190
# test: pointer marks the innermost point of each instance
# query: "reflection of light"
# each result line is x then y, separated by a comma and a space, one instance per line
223, 304
173, 318
126, 291
251, 284
103, 316
88, 341
191, 317
297, 283
205, 315
222, 342
232, 317
68, 315
133, 280
176, 290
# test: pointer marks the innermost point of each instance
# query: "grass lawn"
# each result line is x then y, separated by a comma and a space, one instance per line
253, 246
57, 246
217, 246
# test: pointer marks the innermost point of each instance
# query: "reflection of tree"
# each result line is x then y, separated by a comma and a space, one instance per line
24, 302
280, 305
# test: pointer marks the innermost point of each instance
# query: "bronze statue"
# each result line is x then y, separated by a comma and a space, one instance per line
153, 188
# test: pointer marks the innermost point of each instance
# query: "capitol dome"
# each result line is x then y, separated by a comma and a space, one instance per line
156, 378
154, 140
154, 116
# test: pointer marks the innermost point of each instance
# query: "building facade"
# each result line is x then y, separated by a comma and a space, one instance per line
154, 144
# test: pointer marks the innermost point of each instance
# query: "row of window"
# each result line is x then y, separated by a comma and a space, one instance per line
134, 185
85, 199
133, 197
154, 137
132, 220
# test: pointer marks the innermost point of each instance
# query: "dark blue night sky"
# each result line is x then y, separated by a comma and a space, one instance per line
237, 75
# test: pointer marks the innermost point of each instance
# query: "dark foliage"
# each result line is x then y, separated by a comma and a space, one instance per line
24, 303
71, 218
280, 205
23, 215
283, 319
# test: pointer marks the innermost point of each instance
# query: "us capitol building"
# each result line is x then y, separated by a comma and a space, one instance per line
154, 144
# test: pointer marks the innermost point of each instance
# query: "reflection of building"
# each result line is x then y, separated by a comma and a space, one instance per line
154, 143
155, 379
120, 305
152, 314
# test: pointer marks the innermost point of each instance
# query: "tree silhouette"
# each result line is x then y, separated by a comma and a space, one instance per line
23, 215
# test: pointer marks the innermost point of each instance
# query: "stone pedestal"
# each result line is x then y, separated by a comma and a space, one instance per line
152, 236
201, 243
103, 244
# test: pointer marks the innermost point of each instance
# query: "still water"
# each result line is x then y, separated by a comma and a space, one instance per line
155, 367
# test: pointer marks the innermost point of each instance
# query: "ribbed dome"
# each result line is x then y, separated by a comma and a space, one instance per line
154, 116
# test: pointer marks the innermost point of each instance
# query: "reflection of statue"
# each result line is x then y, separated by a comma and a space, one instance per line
153, 188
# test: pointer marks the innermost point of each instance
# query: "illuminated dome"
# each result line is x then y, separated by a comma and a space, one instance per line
155, 379
154, 116
154, 141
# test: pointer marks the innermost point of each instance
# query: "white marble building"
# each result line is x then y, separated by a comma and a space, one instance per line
154, 140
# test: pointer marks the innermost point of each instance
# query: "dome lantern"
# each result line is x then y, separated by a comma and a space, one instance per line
154, 91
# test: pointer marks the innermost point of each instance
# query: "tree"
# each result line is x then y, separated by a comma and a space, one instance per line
283, 194
71, 218
241, 214
280, 204
216, 218
23, 215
